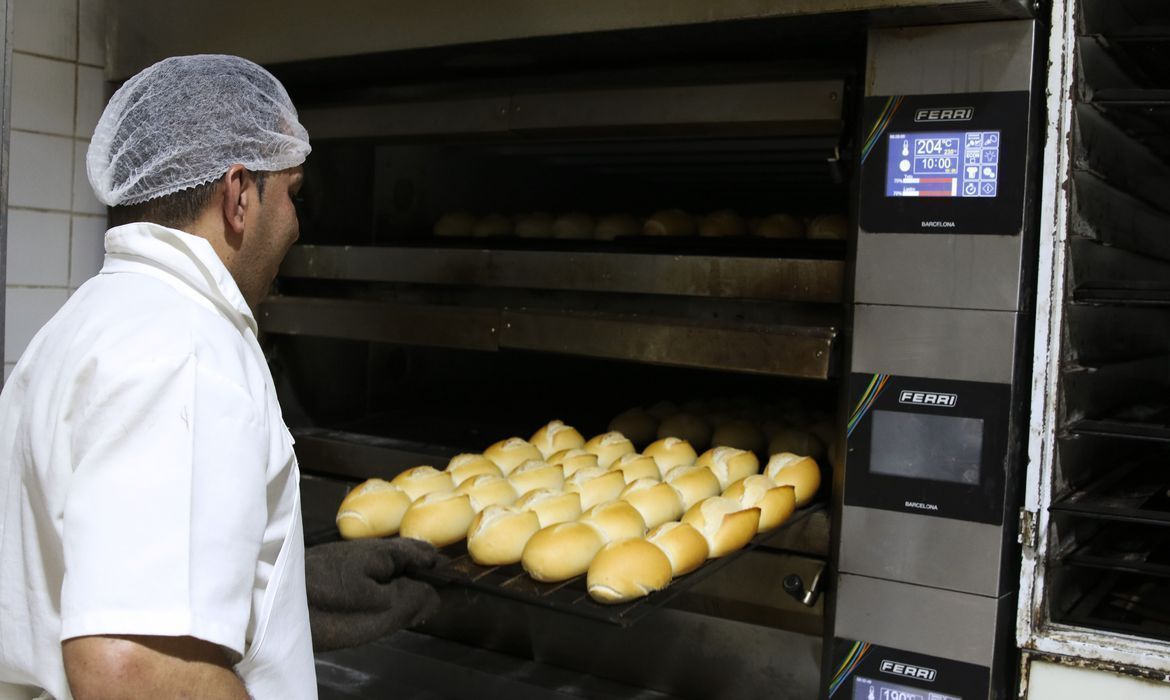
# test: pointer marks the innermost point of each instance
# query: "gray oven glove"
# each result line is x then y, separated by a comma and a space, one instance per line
360, 591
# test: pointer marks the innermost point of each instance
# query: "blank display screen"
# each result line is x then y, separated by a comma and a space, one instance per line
924, 446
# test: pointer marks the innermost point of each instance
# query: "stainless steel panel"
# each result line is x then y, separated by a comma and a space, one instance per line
964, 272
932, 621
921, 550
976, 57
382, 321
701, 276
976, 346
783, 350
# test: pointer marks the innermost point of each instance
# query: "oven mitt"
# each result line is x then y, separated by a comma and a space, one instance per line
361, 590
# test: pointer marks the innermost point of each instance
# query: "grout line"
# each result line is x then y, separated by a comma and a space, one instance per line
45, 133
49, 210
49, 287
47, 57
73, 150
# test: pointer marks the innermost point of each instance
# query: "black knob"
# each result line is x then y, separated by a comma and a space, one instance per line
793, 586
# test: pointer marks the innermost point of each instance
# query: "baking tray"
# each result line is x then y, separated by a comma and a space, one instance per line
1136, 493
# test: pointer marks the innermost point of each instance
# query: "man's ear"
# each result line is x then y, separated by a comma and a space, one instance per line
236, 197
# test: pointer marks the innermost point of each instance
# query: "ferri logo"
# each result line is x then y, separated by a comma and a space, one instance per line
928, 398
944, 114
897, 668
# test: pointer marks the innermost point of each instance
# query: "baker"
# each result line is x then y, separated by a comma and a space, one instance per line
150, 537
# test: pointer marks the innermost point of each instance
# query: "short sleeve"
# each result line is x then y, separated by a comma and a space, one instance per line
166, 509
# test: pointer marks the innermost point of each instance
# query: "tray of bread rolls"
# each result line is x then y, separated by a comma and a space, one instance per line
589, 527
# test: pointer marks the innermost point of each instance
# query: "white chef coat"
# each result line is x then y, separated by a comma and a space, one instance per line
147, 480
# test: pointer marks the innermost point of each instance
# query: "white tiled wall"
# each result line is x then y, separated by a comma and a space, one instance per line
55, 225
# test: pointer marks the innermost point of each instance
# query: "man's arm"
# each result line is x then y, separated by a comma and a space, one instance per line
114, 667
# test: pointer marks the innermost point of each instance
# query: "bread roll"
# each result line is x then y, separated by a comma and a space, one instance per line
636, 424
497, 535
609, 447
669, 222
683, 545
455, 224
739, 433
537, 474
828, 227
686, 426
779, 226
626, 570
615, 225
802, 473
615, 520
655, 501
663, 410
724, 523
573, 226
562, 551
693, 483
551, 507
487, 490
635, 466
722, 224
669, 453
492, 226
440, 518
373, 509
554, 437
797, 441
776, 503
573, 461
535, 225
729, 464
417, 482
596, 486
511, 453
463, 467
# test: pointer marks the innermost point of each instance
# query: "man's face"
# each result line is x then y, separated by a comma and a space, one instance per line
272, 229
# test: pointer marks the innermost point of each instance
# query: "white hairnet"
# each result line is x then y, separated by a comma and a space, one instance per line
184, 121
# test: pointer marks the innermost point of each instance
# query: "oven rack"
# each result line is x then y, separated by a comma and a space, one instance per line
1125, 547
1126, 603
1145, 422
1135, 493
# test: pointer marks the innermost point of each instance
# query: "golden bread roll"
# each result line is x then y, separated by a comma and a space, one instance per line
657, 502
626, 570
742, 434
828, 227
609, 447
616, 225
555, 437
686, 426
683, 545
779, 226
776, 503
724, 523
669, 453
616, 520
487, 490
635, 466
693, 483
372, 509
440, 518
729, 464
417, 482
663, 410
596, 485
573, 226
463, 467
722, 224
551, 507
802, 473
562, 551
492, 226
511, 453
573, 461
537, 474
669, 222
535, 225
636, 424
455, 224
497, 535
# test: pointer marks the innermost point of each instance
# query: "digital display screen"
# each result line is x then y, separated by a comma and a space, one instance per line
926, 446
869, 689
943, 164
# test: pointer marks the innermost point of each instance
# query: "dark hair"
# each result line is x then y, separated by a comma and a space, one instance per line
176, 210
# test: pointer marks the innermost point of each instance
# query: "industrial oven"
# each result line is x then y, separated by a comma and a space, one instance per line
912, 338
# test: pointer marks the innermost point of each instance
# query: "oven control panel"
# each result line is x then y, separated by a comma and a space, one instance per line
865, 671
945, 164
